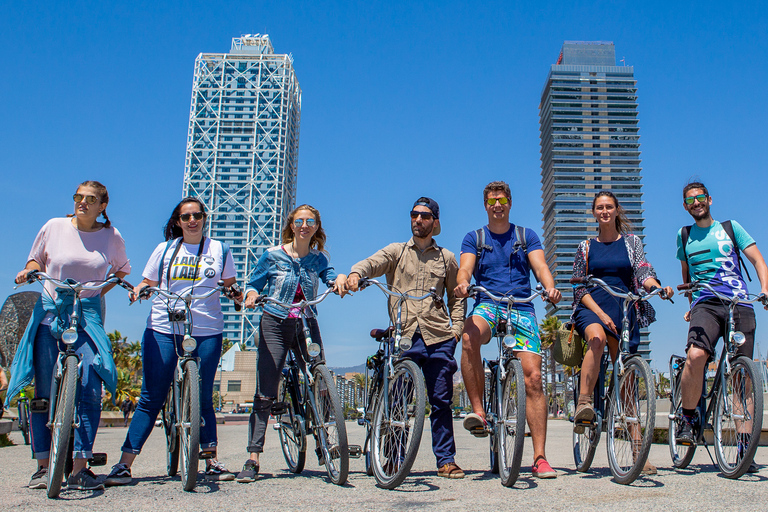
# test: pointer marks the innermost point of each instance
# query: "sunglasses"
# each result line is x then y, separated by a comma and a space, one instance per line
186, 216
493, 200
88, 199
300, 222
700, 198
424, 215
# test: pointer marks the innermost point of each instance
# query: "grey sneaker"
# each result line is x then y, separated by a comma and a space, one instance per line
120, 475
85, 480
218, 473
476, 425
39, 479
249, 472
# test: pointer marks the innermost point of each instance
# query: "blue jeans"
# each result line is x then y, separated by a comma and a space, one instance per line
46, 352
438, 365
158, 356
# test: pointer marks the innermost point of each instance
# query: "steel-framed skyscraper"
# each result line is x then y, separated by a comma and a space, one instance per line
242, 154
590, 141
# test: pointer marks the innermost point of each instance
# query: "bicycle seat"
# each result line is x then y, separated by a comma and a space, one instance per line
380, 334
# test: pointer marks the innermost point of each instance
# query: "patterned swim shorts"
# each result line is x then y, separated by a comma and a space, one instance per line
523, 325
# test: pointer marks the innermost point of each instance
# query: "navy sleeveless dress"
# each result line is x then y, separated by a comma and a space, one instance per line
609, 262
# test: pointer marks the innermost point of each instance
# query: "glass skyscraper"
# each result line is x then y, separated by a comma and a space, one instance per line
242, 154
590, 141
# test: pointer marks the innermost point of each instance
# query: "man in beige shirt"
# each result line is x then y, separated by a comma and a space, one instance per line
415, 267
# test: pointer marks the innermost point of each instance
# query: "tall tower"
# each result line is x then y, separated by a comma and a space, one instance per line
589, 142
242, 154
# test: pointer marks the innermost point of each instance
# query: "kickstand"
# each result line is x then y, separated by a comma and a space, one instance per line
710, 454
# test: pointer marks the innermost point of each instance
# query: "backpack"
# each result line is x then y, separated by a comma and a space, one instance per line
685, 233
520, 243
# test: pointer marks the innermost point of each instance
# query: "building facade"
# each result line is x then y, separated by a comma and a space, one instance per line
590, 141
242, 155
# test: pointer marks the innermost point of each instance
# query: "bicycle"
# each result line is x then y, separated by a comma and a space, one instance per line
65, 384
181, 410
308, 402
504, 400
395, 394
22, 404
630, 401
735, 399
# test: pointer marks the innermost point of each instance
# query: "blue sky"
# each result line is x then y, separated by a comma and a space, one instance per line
400, 99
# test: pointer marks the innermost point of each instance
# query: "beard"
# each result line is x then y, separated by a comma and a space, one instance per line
702, 214
421, 231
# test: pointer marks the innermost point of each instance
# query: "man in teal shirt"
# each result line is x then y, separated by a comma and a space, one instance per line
709, 255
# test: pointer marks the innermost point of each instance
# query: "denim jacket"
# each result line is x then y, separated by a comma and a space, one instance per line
280, 275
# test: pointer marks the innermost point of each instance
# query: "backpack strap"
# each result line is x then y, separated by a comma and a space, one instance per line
685, 233
224, 254
728, 227
162, 260
520, 241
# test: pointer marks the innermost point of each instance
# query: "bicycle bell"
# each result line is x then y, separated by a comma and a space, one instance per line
69, 336
188, 343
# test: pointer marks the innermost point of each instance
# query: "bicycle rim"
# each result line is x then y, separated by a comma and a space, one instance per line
171, 439
681, 455
584, 444
290, 430
63, 422
331, 426
631, 420
738, 418
510, 425
189, 425
397, 430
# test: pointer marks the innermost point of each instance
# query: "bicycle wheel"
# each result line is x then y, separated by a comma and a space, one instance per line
510, 425
738, 418
631, 420
24, 420
291, 429
397, 428
189, 425
681, 455
584, 444
61, 427
331, 426
171, 437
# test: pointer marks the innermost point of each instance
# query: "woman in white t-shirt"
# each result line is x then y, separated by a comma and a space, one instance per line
186, 261
76, 247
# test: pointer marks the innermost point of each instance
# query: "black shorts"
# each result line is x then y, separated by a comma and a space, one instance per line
709, 320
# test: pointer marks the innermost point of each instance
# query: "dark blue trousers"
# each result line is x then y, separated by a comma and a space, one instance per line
438, 365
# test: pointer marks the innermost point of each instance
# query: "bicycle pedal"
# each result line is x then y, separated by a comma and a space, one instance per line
98, 459
479, 432
207, 454
528, 434
355, 451
320, 457
361, 421
279, 408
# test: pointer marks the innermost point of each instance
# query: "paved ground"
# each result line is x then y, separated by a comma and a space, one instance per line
698, 488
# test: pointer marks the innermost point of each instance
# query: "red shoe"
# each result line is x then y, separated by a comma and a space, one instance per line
542, 469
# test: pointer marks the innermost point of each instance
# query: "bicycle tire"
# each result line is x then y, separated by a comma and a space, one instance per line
735, 450
189, 425
585, 444
62, 425
681, 455
171, 437
24, 420
631, 425
368, 434
510, 424
331, 425
291, 430
397, 431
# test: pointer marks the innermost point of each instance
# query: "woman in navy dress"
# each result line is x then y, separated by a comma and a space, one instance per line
616, 257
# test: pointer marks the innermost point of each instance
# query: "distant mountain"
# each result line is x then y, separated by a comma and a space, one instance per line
349, 369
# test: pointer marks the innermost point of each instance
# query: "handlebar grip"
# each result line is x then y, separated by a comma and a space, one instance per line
685, 287
579, 280
32, 276
144, 293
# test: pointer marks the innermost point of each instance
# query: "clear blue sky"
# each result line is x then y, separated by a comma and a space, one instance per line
399, 100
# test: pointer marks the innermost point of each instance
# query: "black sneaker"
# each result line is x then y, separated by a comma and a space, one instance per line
249, 472
85, 480
120, 475
39, 479
218, 473
753, 468
685, 434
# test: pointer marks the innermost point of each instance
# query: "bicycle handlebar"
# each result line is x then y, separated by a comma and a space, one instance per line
508, 299
147, 292
587, 280
300, 305
39, 275
365, 281
698, 285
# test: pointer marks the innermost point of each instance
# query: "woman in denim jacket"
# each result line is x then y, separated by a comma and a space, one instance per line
290, 273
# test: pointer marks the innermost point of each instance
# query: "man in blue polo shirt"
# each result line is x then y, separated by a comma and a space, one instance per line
503, 266
709, 255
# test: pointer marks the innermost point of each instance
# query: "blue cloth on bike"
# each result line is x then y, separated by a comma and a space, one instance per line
609, 262
23, 370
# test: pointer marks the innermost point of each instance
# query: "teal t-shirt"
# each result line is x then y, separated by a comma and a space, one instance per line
712, 259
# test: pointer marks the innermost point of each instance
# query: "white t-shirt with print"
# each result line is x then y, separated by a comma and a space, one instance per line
207, 318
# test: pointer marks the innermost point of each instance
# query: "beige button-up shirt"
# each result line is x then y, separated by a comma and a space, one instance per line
412, 271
